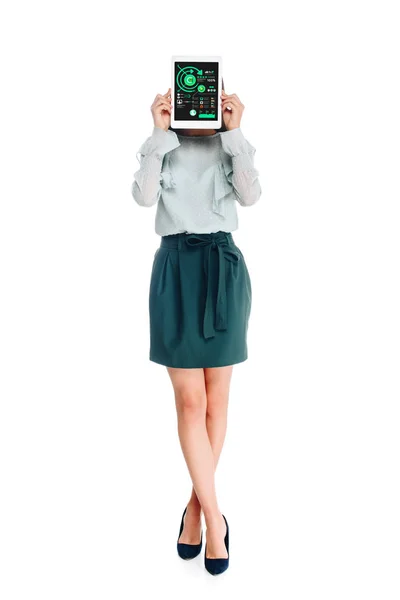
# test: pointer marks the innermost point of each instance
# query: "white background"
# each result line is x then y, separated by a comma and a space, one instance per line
93, 481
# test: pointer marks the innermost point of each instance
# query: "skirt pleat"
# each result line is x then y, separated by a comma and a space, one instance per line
199, 301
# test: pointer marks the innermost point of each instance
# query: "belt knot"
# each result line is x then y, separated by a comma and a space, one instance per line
225, 252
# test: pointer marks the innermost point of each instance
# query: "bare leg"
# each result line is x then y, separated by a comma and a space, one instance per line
201, 397
217, 382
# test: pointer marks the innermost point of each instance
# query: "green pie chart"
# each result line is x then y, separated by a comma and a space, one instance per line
190, 80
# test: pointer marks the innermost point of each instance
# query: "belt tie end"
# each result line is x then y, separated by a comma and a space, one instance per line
225, 252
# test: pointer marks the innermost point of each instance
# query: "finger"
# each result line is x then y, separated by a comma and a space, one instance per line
165, 107
162, 96
233, 103
162, 100
232, 97
230, 101
162, 106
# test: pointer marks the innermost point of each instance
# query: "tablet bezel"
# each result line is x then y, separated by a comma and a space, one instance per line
208, 123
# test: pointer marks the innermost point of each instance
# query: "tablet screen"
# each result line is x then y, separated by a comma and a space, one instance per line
196, 91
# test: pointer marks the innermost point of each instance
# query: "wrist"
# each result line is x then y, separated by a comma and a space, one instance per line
231, 128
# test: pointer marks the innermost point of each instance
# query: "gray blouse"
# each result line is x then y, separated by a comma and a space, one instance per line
196, 180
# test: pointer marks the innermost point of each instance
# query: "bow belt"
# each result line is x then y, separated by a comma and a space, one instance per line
224, 252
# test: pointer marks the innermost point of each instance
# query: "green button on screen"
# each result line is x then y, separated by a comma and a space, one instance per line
205, 116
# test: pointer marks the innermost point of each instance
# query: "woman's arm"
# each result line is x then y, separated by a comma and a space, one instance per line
146, 187
244, 176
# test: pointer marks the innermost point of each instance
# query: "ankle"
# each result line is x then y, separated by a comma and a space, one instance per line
213, 517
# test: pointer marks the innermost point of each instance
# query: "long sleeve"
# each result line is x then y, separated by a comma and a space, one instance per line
244, 175
146, 186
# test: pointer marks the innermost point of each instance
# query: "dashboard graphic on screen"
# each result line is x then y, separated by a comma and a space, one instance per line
196, 91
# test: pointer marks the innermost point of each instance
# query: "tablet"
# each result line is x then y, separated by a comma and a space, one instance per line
196, 92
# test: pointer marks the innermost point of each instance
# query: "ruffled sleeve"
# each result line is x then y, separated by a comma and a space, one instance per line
146, 187
222, 186
159, 143
241, 172
167, 179
234, 143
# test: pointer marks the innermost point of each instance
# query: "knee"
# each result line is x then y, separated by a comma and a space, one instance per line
191, 404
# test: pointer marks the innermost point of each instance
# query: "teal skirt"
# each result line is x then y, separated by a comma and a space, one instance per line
199, 301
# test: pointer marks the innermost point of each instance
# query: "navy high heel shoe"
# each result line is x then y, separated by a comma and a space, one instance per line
215, 566
188, 551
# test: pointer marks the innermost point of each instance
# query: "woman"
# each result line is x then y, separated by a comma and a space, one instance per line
200, 293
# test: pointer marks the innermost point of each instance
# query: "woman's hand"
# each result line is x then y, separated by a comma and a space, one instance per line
231, 117
161, 110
